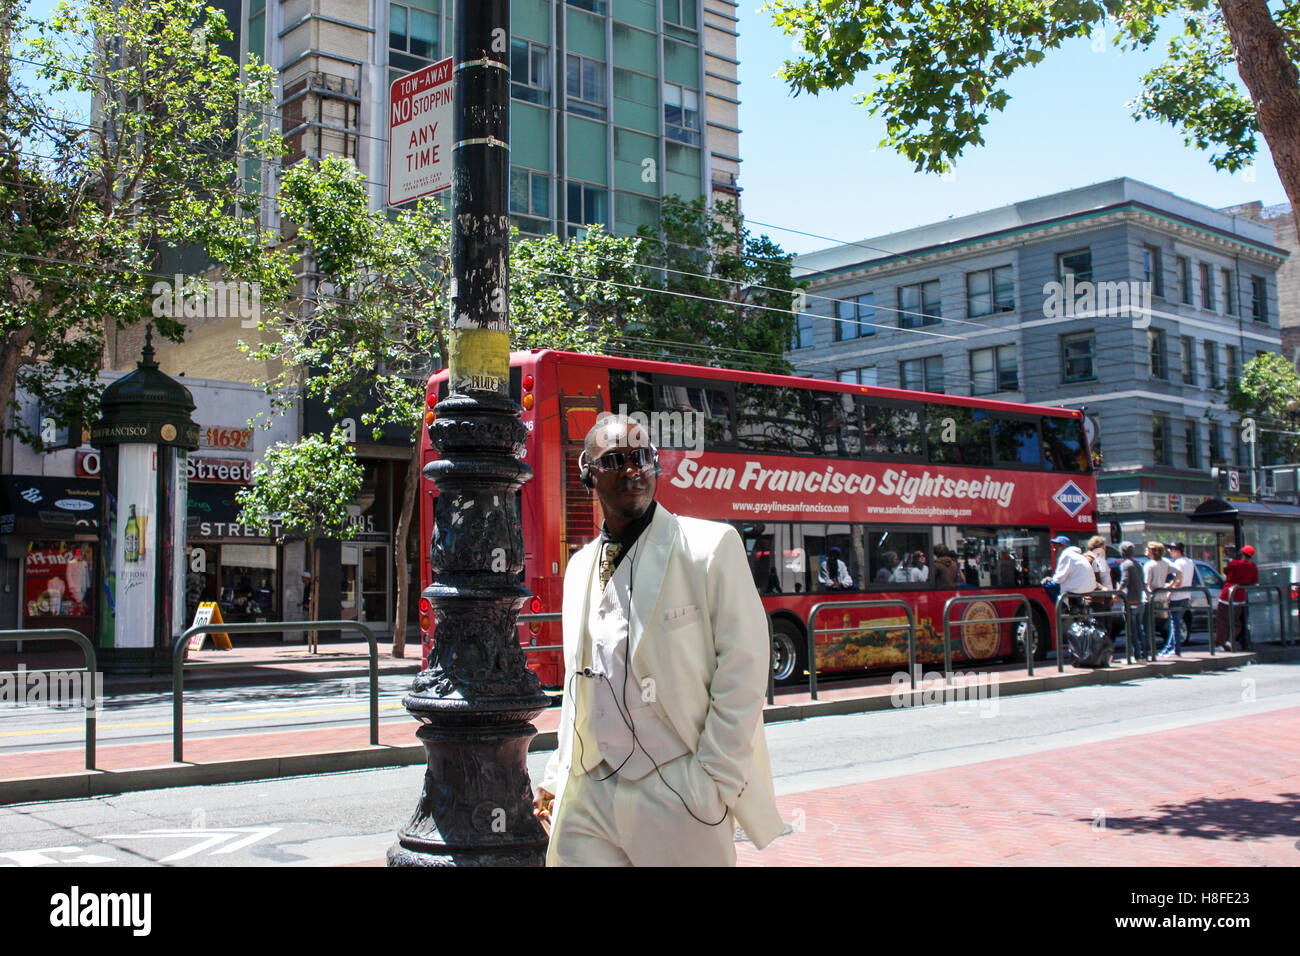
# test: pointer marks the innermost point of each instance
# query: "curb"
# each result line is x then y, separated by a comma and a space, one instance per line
94, 783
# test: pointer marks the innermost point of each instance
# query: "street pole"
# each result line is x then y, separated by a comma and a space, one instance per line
477, 698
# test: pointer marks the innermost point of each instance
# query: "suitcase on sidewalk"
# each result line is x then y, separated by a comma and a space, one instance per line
1088, 645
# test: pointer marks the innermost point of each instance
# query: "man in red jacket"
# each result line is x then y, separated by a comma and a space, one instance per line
1240, 571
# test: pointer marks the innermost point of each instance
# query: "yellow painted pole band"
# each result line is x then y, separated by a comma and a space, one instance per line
480, 359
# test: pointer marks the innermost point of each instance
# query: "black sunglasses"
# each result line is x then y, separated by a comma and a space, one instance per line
640, 458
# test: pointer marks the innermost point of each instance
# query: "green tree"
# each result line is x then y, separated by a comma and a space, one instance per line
371, 325
85, 207
727, 297
1269, 392
940, 69
303, 489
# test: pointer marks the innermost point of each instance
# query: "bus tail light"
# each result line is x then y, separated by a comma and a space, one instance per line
429, 417
527, 403
535, 606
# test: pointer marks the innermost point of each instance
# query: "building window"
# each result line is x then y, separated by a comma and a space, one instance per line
680, 12
681, 114
919, 305
412, 36
1160, 438
1216, 444
1229, 293
1212, 364
989, 291
584, 86
1231, 363
1184, 280
1077, 263
1189, 360
1258, 299
857, 376
994, 370
1152, 271
803, 332
922, 375
530, 72
857, 317
530, 195
595, 6
1078, 357
1207, 286
1156, 347
586, 205
1192, 439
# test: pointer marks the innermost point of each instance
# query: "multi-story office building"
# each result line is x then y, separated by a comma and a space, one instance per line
1123, 299
615, 105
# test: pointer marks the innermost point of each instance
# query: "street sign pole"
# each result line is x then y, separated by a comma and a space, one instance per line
477, 698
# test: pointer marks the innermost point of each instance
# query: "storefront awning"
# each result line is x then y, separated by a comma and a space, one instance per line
37, 505
1216, 509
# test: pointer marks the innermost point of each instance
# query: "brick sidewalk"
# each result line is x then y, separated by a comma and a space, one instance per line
1219, 794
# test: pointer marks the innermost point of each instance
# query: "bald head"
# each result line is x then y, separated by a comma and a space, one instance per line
612, 433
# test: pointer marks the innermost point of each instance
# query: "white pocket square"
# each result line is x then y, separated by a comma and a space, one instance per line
681, 616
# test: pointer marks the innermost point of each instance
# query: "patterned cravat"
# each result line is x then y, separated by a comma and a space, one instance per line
608, 557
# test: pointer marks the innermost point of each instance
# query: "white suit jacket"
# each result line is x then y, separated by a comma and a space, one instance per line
699, 631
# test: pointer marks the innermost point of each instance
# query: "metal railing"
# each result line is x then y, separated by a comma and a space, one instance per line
1152, 607
1063, 601
274, 627
91, 668
847, 605
1026, 619
1283, 612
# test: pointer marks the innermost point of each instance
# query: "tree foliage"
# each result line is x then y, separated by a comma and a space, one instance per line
303, 488
85, 207
1269, 391
939, 70
726, 297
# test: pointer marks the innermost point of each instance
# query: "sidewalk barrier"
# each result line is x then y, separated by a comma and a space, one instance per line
273, 627
91, 668
1026, 619
846, 605
1178, 645
1282, 612
1086, 614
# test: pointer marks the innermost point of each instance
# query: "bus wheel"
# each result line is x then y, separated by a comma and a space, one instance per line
788, 652
1042, 636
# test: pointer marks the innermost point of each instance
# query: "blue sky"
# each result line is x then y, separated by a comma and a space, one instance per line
811, 163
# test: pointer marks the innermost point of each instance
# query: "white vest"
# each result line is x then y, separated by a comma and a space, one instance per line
609, 722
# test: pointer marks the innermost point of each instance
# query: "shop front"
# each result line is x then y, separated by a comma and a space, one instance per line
1166, 516
49, 529
229, 563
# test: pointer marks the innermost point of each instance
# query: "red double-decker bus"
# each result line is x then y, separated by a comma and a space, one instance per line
886, 482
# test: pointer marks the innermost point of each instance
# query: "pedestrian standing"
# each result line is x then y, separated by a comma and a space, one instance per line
1229, 619
1179, 600
1131, 584
1156, 608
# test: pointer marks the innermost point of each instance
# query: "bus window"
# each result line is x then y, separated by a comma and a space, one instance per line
818, 541
891, 431
759, 539
958, 436
892, 556
1015, 442
713, 401
775, 419
1003, 557
841, 429
631, 391
1064, 446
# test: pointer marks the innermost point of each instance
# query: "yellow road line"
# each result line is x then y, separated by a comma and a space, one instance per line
197, 720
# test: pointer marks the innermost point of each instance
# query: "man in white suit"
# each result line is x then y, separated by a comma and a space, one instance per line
657, 759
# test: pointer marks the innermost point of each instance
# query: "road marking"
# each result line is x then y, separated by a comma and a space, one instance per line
207, 839
39, 858
195, 720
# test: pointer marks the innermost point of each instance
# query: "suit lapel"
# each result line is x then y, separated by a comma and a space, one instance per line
582, 565
651, 556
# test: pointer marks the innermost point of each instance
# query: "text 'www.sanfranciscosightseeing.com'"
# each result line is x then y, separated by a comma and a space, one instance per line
819, 507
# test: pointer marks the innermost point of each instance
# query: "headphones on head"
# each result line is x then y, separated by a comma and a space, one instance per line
589, 480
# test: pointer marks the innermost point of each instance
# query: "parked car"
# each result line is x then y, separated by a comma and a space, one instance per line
1263, 619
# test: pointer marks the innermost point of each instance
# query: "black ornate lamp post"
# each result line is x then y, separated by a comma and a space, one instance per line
477, 698
143, 436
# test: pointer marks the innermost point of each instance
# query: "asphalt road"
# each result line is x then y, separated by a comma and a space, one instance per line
353, 817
